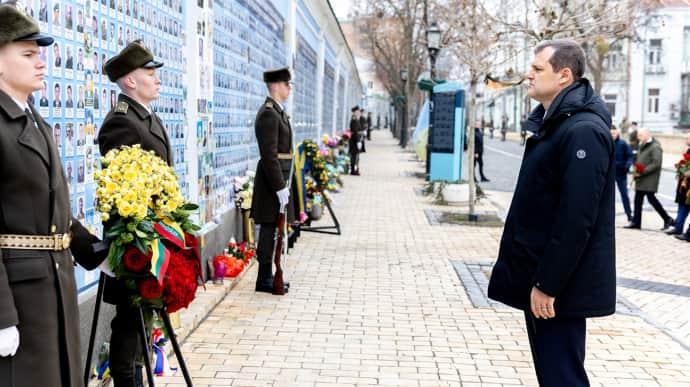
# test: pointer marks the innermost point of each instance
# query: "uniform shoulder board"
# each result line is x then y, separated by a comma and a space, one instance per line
122, 107
269, 105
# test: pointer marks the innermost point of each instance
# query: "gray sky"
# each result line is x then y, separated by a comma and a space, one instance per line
341, 8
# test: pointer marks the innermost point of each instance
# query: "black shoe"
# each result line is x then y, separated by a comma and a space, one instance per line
355, 173
672, 231
668, 223
485, 180
683, 237
268, 288
632, 225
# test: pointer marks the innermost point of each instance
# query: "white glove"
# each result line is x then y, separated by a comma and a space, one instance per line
105, 268
283, 196
9, 341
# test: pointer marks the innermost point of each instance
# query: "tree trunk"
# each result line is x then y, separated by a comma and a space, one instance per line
471, 103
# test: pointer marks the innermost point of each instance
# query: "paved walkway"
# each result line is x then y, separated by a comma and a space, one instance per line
384, 304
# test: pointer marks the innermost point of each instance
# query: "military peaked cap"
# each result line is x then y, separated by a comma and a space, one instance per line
15, 25
135, 55
355, 108
278, 75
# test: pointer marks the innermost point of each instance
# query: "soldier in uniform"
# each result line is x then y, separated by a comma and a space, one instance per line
39, 314
132, 121
271, 192
355, 133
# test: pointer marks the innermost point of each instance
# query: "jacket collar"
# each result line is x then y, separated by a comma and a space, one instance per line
9, 106
138, 108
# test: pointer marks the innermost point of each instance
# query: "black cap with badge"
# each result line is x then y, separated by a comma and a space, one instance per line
17, 26
134, 56
277, 75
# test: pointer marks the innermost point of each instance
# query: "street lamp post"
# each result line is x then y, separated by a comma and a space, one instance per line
433, 44
403, 129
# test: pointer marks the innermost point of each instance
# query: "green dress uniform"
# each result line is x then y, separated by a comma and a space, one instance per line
38, 292
129, 123
274, 137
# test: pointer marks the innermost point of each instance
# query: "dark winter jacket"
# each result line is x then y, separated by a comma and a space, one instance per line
650, 158
559, 232
624, 157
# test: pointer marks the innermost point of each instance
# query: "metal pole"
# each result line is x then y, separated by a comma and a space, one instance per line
429, 134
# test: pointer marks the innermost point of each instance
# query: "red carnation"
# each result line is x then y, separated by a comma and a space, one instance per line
686, 156
149, 288
134, 261
639, 167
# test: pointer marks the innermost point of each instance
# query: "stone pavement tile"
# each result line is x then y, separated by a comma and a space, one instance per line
382, 305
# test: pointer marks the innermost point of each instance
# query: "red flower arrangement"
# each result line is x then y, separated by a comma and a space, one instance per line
236, 258
639, 167
135, 261
149, 288
180, 282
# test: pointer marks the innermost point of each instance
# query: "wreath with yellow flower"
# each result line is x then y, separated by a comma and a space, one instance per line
147, 221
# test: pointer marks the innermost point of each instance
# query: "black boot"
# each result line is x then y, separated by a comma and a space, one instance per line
264, 279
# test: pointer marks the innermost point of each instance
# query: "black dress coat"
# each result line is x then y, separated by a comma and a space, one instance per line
274, 136
559, 232
38, 293
355, 133
129, 123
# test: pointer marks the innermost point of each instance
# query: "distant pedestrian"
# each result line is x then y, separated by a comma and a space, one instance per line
504, 127
646, 175
369, 126
354, 142
624, 160
556, 260
523, 130
632, 139
479, 151
363, 129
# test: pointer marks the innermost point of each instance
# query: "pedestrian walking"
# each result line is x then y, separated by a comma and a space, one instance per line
646, 175
131, 121
682, 199
363, 130
39, 313
369, 126
556, 260
523, 130
504, 127
479, 151
354, 142
271, 192
624, 160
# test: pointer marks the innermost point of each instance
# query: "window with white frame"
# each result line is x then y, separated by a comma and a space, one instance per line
652, 100
610, 101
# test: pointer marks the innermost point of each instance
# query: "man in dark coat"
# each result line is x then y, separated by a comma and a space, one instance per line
647, 174
271, 192
39, 314
131, 122
624, 160
369, 126
355, 134
682, 187
363, 130
557, 255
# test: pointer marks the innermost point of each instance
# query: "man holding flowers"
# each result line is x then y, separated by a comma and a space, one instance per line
39, 315
131, 122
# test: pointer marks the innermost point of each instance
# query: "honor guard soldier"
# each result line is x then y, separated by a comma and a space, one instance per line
363, 129
39, 314
355, 133
271, 191
131, 122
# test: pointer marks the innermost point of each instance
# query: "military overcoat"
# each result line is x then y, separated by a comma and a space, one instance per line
38, 292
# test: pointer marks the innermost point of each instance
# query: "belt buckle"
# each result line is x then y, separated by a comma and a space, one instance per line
66, 240
61, 241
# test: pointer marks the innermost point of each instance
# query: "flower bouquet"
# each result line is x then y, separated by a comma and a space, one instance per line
153, 249
235, 259
244, 187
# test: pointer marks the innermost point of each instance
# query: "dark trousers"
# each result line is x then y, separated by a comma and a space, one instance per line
480, 160
558, 350
264, 253
354, 162
622, 183
651, 198
126, 353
